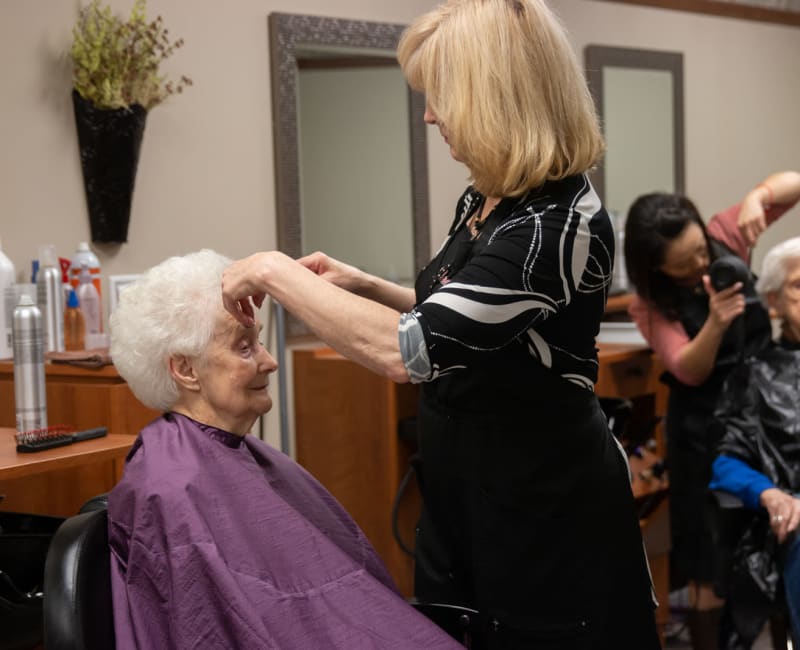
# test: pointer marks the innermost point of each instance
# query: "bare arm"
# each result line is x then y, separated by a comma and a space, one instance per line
698, 356
360, 329
357, 281
782, 188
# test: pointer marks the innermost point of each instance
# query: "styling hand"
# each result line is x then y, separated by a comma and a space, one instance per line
784, 511
752, 220
725, 305
241, 282
337, 273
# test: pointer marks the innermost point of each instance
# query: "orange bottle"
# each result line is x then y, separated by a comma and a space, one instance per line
74, 325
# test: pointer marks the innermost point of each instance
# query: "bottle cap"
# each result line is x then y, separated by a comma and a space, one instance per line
83, 246
25, 301
47, 255
73, 301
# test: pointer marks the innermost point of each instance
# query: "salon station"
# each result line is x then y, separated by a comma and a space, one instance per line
299, 133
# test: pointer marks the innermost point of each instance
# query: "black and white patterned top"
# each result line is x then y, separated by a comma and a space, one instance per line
528, 292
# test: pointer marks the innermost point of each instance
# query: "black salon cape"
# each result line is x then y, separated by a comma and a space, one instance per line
759, 413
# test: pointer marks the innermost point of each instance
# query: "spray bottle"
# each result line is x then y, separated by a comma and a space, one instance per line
50, 298
30, 396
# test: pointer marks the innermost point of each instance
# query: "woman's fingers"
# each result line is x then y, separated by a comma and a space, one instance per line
239, 292
727, 304
784, 515
793, 521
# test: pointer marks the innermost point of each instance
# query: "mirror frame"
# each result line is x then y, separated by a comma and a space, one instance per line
596, 57
288, 34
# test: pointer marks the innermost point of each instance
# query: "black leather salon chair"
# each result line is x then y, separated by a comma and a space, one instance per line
24, 541
77, 583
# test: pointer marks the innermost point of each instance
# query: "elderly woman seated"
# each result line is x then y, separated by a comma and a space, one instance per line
759, 459
217, 540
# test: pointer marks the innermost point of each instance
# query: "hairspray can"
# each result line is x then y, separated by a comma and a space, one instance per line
29, 389
50, 296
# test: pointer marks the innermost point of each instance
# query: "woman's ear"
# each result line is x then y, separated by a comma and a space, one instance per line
774, 303
183, 372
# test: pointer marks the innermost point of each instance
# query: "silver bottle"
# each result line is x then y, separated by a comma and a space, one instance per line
30, 395
50, 297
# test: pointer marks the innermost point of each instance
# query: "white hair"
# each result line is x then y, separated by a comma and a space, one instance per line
776, 261
171, 310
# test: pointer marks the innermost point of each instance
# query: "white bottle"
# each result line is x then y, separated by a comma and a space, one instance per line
82, 255
89, 300
7, 278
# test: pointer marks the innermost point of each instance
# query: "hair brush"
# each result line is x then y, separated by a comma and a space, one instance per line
54, 436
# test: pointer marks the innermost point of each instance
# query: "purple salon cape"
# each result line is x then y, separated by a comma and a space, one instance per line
219, 541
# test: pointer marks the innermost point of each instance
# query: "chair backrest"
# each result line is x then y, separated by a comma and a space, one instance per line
78, 613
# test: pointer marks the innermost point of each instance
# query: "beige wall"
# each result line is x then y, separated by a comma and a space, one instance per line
206, 171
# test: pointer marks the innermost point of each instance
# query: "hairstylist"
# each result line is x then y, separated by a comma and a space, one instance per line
668, 251
528, 513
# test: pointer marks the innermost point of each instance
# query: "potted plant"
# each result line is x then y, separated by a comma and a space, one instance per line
116, 81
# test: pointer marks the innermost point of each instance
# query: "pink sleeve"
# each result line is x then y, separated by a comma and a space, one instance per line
666, 337
724, 227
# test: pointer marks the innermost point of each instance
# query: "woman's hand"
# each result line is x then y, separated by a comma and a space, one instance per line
752, 219
337, 273
242, 281
784, 511
725, 305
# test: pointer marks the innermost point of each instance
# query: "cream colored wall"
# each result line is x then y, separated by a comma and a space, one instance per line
206, 171
741, 93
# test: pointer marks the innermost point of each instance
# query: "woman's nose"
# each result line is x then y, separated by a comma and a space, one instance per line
700, 262
266, 361
429, 117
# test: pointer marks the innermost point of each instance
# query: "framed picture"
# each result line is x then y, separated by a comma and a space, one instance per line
116, 283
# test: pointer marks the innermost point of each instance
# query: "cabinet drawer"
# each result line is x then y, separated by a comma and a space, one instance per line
629, 377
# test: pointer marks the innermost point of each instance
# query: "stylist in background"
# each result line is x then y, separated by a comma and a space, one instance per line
668, 252
528, 514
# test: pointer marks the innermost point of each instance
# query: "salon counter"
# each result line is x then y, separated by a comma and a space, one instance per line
82, 398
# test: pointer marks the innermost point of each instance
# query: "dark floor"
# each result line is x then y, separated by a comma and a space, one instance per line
678, 639
677, 635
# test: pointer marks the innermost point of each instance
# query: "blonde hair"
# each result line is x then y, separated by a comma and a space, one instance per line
502, 78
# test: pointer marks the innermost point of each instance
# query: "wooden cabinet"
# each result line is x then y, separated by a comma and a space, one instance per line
632, 373
346, 435
83, 398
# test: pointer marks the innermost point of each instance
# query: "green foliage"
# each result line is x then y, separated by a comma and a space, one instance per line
116, 62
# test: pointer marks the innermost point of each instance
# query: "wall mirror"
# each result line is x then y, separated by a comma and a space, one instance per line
639, 98
351, 173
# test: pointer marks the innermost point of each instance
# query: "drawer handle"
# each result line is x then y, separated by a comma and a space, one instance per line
634, 371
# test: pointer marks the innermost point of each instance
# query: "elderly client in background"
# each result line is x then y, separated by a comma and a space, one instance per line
759, 459
217, 540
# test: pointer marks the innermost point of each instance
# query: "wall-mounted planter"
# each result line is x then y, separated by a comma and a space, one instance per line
109, 141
